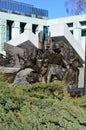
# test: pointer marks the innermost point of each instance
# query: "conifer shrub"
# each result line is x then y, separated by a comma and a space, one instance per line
40, 106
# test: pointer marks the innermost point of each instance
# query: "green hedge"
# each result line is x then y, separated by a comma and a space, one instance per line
41, 106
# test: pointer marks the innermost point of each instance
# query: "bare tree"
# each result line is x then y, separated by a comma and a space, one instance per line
75, 7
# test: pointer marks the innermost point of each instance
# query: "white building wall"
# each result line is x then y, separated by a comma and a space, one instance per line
2, 35
61, 30
83, 42
28, 26
77, 31
15, 29
39, 28
24, 37
16, 19
77, 28
69, 19
21, 18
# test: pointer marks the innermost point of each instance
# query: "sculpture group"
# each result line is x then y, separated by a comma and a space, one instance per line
52, 61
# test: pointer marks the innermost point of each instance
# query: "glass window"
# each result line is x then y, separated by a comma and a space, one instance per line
22, 25
71, 31
83, 32
14, 6
46, 32
83, 23
70, 24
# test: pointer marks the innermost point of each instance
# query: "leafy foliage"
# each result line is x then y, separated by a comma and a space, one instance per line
40, 107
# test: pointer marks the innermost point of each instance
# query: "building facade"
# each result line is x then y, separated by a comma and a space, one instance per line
76, 25
17, 17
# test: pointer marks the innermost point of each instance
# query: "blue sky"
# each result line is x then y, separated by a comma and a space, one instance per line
56, 8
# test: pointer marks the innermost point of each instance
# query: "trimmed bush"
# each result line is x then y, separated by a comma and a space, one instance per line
41, 106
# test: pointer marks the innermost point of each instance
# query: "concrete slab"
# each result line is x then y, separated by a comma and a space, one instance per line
60, 32
27, 36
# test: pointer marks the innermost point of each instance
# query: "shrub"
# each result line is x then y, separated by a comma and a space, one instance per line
41, 106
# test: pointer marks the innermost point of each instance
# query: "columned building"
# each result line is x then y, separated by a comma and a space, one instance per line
76, 25
20, 24
17, 18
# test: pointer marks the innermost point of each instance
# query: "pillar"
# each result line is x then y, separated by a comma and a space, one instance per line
39, 29
39, 33
27, 27
2, 35
15, 29
77, 31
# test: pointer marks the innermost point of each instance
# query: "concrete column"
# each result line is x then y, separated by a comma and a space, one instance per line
2, 35
39, 28
39, 32
83, 43
77, 31
28, 26
15, 29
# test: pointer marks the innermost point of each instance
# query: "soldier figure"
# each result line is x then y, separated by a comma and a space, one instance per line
71, 76
1, 59
22, 61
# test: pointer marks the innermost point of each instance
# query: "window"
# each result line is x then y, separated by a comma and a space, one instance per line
83, 23
34, 26
45, 31
22, 25
70, 24
9, 30
22, 8
71, 31
83, 32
